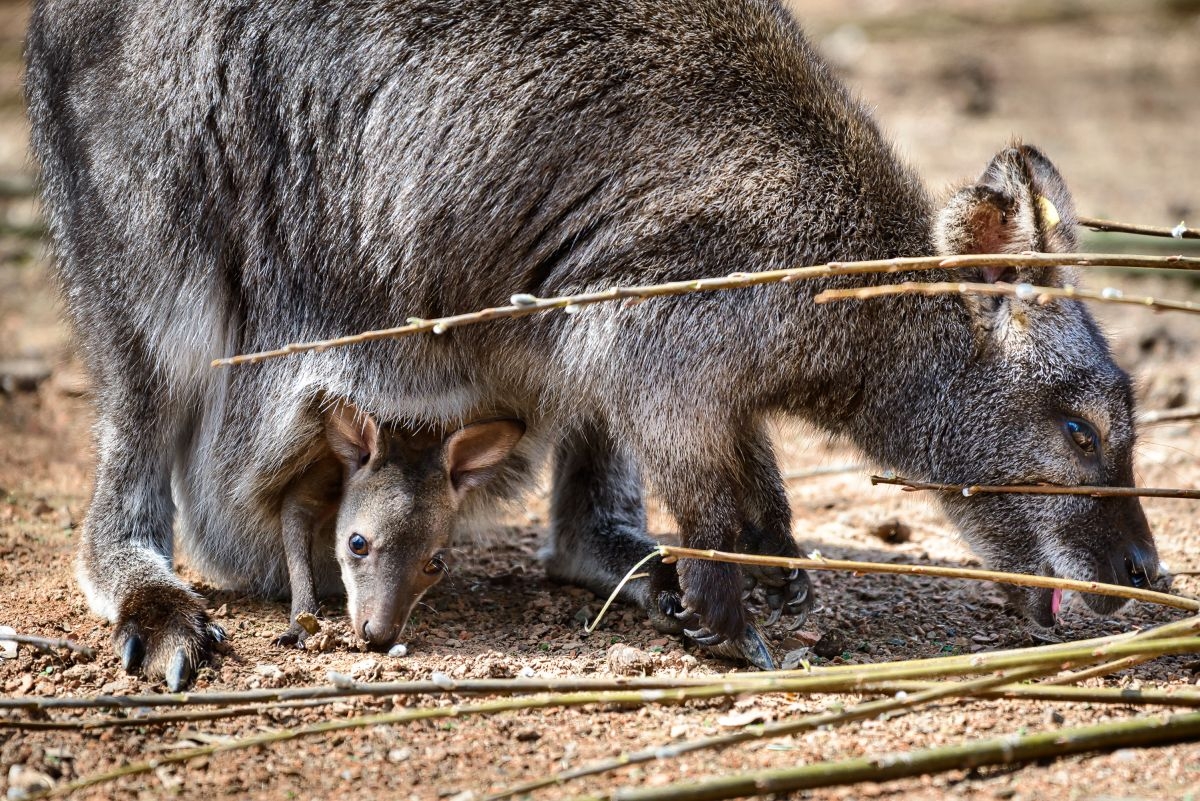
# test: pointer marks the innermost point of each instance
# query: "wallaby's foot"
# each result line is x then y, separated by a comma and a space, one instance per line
294, 637
165, 633
784, 590
713, 616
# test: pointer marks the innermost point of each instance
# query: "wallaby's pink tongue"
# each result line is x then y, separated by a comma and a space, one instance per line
1055, 602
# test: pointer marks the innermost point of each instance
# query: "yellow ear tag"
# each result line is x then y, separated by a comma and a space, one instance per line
1049, 213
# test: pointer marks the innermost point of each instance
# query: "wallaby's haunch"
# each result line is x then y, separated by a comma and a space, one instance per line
225, 177
394, 495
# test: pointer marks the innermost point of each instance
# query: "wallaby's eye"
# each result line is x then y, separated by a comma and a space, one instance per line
363, 458
435, 566
1084, 436
358, 545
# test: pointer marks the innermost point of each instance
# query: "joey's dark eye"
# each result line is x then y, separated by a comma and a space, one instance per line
363, 458
358, 545
435, 566
1084, 436
1004, 218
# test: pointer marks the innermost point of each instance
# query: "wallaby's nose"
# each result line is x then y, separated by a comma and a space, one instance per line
378, 634
1142, 565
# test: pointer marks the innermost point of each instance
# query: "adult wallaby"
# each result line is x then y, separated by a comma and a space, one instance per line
394, 495
225, 177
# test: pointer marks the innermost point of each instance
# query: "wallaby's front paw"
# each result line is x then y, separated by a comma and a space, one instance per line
165, 633
294, 637
783, 590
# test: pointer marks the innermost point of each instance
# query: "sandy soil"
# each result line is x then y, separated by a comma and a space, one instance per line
1108, 89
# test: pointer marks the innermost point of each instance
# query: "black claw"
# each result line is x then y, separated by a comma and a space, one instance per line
704, 637
133, 653
670, 605
776, 613
179, 672
217, 633
792, 575
749, 648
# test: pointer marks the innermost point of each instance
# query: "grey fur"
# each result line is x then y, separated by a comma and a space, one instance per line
223, 177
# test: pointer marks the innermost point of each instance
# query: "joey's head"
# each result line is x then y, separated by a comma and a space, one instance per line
1039, 400
402, 492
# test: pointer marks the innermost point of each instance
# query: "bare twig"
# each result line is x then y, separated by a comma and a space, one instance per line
525, 305
1020, 579
1047, 660
1187, 414
816, 472
1049, 691
1013, 750
927, 694
1040, 294
1178, 232
968, 490
169, 718
50, 644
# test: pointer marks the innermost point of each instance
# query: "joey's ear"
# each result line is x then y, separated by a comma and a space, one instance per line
475, 451
354, 436
1019, 203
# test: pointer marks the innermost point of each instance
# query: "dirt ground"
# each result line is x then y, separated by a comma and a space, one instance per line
1111, 90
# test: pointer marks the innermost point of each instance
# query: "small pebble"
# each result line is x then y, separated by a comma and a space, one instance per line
8, 648
398, 651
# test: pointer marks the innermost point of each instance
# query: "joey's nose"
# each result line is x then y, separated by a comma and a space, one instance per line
377, 633
1142, 565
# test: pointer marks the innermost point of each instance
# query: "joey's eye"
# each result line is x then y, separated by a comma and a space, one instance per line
1004, 218
1084, 436
358, 545
435, 566
363, 458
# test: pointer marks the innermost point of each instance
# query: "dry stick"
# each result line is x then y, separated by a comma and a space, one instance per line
863, 711
968, 490
50, 644
1020, 579
1157, 416
169, 718
1040, 294
1049, 691
343, 690
525, 305
1178, 232
664, 696
816, 472
998, 751
1167, 638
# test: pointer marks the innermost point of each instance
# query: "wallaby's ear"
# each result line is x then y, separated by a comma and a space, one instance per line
474, 451
1020, 202
354, 436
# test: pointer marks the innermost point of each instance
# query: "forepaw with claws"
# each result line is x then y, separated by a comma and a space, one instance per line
163, 632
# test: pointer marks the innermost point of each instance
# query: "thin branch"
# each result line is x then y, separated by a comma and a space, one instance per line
166, 719
50, 644
817, 472
967, 490
863, 711
1048, 662
1157, 416
1178, 232
1019, 579
1039, 294
525, 305
1049, 691
1013, 750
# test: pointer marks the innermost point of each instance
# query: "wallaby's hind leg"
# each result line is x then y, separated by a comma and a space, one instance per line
598, 527
767, 530
125, 556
